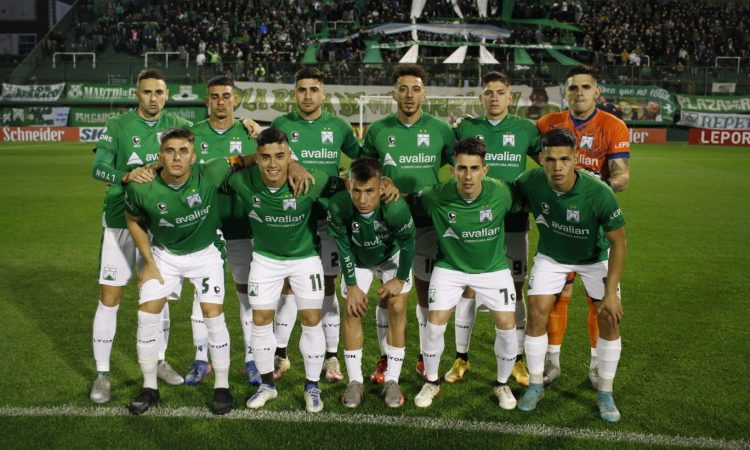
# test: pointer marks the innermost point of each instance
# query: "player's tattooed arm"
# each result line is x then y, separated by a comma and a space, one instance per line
237, 163
252, 127
619, 174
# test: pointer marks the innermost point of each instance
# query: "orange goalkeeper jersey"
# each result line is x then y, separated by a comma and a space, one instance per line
601, 137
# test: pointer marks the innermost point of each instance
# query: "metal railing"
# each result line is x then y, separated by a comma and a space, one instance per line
75, 55
166, 56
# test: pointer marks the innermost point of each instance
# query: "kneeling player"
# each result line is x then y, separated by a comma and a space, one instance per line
579, 221
374, 239
468, 214
180, 207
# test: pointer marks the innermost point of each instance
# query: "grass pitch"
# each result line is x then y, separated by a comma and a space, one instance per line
681, 380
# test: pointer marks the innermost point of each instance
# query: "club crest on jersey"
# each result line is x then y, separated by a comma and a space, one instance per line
295, 136
109, 273
587, 142
194, 200
485, 215
480, 137
252, 289
378, 226
235, 147
136, 141
452, 217
545, 208
355, 227
509, 140
423, 140
204, 148
162, 207
256, 201
573, 215
290, 203
431, 295
326, 136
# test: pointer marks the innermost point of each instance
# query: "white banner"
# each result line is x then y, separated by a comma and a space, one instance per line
714, 121
32, 92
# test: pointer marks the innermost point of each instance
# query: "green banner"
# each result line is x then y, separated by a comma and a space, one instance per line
29, 116
733, 104
192, 94
98, 117
638, 105
32, 92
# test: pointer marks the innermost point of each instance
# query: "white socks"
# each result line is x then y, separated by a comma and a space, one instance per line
105, 326
465, 312
165, 325
395, 361
286, 315
312, 346
264, 346
218, 342
200, 332
148, 341
506, 349
422, 321
608, 353
553, 355
536, 348
432, 349
331, 322
246, 319
353, 361
520, 322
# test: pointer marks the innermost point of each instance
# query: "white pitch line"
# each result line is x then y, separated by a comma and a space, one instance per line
408, 422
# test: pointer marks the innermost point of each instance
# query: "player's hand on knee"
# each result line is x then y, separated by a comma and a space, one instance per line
612, 309
150, 272
391, 288
356, 301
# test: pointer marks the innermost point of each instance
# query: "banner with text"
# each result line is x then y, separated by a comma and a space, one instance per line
39, 134
34, 116
716, 121
637, 105
98, 117
737, 138
32, 92
733, 104
192, 94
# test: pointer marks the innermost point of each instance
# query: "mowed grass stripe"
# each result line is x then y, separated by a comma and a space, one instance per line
382, 420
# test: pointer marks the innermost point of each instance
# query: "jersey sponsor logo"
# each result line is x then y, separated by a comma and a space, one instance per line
391, 141
509, 140
622, 144
484, 232
449, 233
164, 223
109, 273
255, 216
423, 140
418, 158
319, 154
326, 136
485, 215
587, 142
541, 220
105, 136
134, 159
285, 219
452, 217
194, 199
504, 156
192, 217
136, 141
573, 215
204, 148
162, 207
615, 214
584, 160
256, 201
295, 136
290, 203
407, 226
373, 243
235, 147
570, 229
388, 160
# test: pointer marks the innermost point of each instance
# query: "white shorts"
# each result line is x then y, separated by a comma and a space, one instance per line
329, 255
239, 255
385, 272
204, 268
548, 277
495, 290
426, 253
118, 258
517, 252
267, 278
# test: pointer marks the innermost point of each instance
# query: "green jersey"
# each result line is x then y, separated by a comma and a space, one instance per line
210, 144
471, 236
318, 143
370, 240
281, 223
128, 141
571, 226
181, 219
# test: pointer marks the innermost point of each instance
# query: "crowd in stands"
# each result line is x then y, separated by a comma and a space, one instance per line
248, 35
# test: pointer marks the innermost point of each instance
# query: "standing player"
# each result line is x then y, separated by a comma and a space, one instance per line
180, 207
317, 139
509, 139
603, 149
284, 247
129, 141
581, 229
221, 135
412, 146
374, 239
468, 213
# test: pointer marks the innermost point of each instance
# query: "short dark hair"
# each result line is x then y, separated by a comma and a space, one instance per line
414, 70
583, 70
559, 137
221, 80
271, 136
309, 73
470, 146
495, 76
150, 73
364, 169
178, 133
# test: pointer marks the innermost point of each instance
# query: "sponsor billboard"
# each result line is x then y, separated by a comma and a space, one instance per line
733, 104
39, 134
714, 121
125, 94
32, 92
648, 135
32, 116
738, 138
